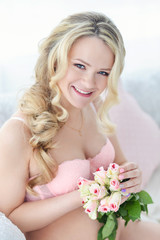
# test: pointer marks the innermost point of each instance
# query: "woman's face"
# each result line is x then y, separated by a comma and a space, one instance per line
90, 62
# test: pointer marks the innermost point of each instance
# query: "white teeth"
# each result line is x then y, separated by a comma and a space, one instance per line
80, 91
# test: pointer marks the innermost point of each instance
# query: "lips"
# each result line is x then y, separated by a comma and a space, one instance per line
82, 92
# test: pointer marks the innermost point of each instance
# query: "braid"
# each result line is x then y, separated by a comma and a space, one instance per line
43, 122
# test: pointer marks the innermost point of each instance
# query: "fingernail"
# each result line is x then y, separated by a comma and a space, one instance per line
121, 177
121, 170
128, 195
123, 190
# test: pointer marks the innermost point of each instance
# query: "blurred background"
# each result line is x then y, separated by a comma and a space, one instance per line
23, 23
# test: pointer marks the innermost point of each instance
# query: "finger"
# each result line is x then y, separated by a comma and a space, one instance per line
131, 183
130, 174
128, 166
133, 189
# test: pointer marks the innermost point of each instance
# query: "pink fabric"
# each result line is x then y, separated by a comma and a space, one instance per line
138, 134
70, 171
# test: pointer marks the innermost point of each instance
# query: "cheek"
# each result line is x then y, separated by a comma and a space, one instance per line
62, 83
102, 85
70, 77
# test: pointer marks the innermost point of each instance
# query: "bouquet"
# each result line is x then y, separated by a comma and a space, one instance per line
102, 197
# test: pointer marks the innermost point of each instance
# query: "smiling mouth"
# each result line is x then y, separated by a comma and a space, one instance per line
81, 92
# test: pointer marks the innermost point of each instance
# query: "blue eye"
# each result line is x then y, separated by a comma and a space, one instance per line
104, 73
79, 66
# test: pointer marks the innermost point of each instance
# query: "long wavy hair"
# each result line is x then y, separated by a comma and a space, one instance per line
41, 102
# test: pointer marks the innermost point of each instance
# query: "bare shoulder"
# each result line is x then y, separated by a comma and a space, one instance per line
14, 161
15, 134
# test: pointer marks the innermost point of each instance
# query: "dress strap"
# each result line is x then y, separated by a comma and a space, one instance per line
18, 118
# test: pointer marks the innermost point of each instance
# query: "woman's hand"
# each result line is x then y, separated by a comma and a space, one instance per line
131, 177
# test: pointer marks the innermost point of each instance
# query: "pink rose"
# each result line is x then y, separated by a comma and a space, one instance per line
104, 205
114, 201
82, 181
91, 208
114, 185
97, 191
100, 176
84, 185
103, 208
114, 167
113, 170
85, 199
114, 207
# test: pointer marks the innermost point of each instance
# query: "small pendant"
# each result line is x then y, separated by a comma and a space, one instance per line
80, 134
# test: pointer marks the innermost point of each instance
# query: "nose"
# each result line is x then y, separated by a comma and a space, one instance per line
89, 80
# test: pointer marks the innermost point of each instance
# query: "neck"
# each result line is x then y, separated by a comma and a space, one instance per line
75, 116
77, 123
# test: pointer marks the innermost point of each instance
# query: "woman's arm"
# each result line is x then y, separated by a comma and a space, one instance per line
119, 155
128, 170
15, 153
30, 216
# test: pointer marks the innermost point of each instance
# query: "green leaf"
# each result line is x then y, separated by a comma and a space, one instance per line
129, 210
134, 210
123, 212
114, 232
109, 226
113, 235
130, 197
145, 198
127, 219
99, 236
100, 214
136, 196
102, 217
144, 208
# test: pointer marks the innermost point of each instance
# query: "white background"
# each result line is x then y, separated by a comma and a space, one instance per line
23, 23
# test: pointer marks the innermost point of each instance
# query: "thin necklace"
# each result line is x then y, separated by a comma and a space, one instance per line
80, 129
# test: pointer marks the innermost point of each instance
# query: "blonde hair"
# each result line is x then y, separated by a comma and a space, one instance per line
41, 103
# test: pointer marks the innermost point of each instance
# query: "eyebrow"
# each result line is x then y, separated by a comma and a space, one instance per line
78, 59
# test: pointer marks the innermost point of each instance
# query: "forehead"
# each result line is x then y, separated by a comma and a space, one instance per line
93, 50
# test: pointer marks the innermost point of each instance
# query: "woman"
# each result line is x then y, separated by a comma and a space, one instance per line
61, 132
